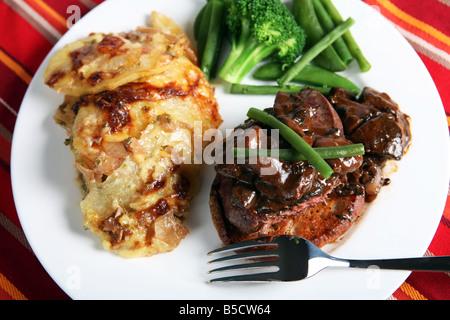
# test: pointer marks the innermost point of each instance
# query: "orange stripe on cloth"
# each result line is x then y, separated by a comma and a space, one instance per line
421, 41
426, 48
432, 12
399, 295
14, 66
52, 12
411, 292
413, 22
6, 285
49, 14
448, 121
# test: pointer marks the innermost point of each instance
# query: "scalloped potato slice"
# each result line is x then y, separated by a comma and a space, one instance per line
133, 102
102, 62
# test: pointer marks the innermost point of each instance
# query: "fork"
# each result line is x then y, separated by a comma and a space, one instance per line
290, 258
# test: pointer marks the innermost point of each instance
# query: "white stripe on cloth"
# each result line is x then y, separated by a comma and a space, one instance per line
446, 2
427, 49
8, 107
35, 19
14, 230
5, 133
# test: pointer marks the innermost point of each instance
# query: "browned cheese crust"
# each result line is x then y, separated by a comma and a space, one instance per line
132, 101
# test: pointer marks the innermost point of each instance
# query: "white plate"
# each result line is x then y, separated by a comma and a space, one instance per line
401, 223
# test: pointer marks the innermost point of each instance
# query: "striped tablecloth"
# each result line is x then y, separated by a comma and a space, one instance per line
29, 29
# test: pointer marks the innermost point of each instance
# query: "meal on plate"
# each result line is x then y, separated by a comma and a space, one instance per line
314, 180
131, 102
297, 198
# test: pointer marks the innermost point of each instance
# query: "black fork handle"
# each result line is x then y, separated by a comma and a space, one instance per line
439, 264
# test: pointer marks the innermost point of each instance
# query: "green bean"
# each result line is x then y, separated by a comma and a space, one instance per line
303, 11
311, 74
364, 64
327, 23
294, 140
210, 27
198, 22
351, 150
201, 27
309, 55
271, 90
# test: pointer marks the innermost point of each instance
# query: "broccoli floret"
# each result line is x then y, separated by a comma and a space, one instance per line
260, 29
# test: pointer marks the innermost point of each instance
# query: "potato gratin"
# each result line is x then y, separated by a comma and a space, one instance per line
131, 99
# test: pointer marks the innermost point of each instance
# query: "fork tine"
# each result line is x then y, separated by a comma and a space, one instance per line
265, 277
243, 245
247, 266
246, 255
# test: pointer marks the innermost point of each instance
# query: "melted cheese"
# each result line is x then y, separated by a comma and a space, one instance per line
125, 127
105, 61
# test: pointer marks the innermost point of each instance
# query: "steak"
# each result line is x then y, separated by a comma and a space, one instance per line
376, 121
296, 199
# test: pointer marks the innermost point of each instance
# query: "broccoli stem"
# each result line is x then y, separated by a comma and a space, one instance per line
244, 56
238, 45
271, 90
364, 64
259, 29
311, 74
315, 50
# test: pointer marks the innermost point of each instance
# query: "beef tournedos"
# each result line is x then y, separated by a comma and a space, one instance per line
296, 199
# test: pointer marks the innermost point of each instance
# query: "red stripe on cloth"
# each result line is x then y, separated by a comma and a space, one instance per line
49, 14
11, 289
21, 70
441, 77
432, 285
5, 154
22, 41
440, 246
12, 88
446, 215
24, 271
5, 150
409, 27
4, 295
431, 12
7, 206
5, 166
7, 119
445, 222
